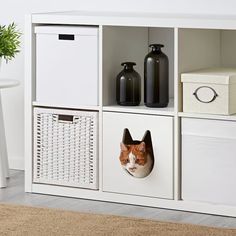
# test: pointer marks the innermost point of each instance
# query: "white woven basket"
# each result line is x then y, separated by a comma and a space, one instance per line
65, 147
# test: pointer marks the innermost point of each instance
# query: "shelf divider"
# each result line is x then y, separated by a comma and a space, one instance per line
80, 107
207, 116
142, 109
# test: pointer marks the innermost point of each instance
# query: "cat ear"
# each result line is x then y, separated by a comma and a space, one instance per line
142, 147
123, 147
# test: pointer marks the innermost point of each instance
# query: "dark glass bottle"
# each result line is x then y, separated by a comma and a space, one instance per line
128, 86
156, 77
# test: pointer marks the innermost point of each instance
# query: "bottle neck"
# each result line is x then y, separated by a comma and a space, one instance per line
156, 47
128, 66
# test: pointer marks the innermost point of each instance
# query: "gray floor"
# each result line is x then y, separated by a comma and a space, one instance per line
15, 194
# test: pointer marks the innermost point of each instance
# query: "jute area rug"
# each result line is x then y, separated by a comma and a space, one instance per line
21, 220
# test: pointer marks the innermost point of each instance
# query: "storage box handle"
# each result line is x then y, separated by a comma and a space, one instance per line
66, 37
214, 94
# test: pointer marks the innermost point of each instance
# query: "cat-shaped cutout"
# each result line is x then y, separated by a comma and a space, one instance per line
136, 157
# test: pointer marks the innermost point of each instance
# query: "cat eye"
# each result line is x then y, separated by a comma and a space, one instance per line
124, 161
140, 161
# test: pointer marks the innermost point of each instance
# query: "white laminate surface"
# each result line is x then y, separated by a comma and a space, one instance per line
137, 19
8, 83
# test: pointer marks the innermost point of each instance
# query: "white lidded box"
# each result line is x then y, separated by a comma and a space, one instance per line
211, 91
67, 65
209, 161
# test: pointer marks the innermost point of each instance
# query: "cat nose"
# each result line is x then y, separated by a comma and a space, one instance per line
132, 169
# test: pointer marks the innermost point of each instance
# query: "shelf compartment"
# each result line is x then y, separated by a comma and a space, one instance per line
208, 161
65, 148
67, 64
159, 183
168, 111
122, 44
204, 48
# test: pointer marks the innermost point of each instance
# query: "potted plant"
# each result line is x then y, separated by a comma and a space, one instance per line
9, 42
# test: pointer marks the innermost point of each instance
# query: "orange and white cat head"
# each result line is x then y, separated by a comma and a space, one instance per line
136, 160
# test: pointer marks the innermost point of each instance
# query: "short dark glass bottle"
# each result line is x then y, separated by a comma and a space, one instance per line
156, 77
128, 86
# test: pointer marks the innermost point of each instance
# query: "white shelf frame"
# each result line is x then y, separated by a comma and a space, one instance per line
43, 104
136, 200
168, 111
104, 19
208, 116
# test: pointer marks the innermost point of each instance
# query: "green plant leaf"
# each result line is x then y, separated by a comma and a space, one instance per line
9, 41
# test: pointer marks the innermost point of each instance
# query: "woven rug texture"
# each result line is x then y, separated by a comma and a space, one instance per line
33, 221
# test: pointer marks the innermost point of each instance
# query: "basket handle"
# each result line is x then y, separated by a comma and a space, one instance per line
66, 119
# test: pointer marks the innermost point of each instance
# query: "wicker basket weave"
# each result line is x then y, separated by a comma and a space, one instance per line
65, 147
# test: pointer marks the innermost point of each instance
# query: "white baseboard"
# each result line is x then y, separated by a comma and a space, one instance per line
16, 163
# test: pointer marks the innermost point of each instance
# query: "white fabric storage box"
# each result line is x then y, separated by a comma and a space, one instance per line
210, 91
65, 147
67, 65
209, 161
159, 183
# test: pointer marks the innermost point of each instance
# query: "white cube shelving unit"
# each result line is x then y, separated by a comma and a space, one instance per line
191, 43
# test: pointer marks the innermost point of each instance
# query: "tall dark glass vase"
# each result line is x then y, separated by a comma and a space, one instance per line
156, 77
128, 86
